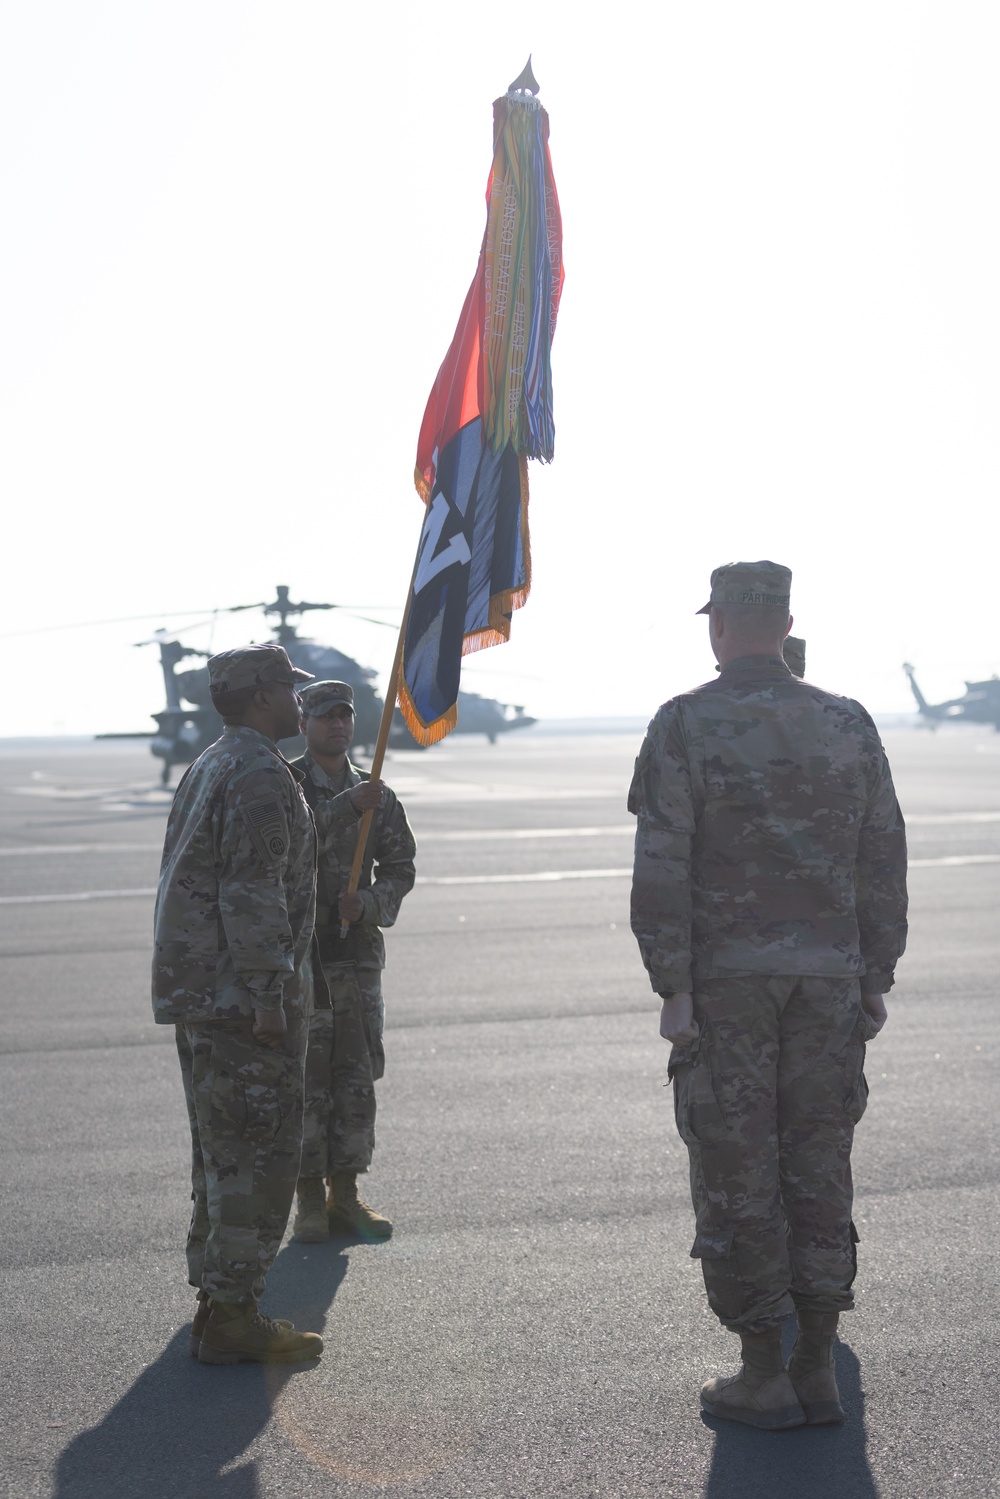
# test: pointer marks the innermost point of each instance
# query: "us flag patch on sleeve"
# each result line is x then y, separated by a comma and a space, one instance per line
266, 826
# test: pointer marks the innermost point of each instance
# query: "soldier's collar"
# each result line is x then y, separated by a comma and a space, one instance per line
343, 782
243, 731
755, 666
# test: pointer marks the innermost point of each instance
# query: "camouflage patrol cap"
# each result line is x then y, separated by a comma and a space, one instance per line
319, 697
252, 666
750, 583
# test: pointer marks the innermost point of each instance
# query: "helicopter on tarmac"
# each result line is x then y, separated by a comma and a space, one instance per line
189, 723
979, 703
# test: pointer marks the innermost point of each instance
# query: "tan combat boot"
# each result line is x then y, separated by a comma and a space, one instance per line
236, 1333
811, 1369
761, 1394
201, 1322
311, 1226
348, 1210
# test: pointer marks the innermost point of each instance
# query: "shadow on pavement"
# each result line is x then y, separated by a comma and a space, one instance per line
812, 1462
182, 1422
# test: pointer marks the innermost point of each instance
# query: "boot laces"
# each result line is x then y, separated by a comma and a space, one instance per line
275, 1326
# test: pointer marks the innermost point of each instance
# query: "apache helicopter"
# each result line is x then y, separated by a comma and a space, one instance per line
189, 723
980, 703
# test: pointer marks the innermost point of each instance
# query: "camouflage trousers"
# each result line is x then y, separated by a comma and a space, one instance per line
766, 1100
245, 1107
345, 1060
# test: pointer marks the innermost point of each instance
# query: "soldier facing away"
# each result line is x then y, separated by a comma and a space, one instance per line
234, 921
769, 904
346, 1055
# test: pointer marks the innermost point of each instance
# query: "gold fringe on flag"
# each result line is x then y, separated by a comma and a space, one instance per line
423, 733
423, 488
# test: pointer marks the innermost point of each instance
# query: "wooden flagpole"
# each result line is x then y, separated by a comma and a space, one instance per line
388, 709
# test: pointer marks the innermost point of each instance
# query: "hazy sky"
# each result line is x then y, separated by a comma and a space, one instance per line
237, 238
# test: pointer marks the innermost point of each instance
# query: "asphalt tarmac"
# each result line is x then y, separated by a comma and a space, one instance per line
535, 1326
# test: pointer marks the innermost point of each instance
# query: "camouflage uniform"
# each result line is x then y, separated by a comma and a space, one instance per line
234, 920
770, 882
346, 1054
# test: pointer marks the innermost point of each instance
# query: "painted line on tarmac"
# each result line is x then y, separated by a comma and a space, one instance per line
925, 819
484, 835
949, 862
44, 900
545, 876
492, 835
550, 876
470, 835
82, 848
478, 795
541, 877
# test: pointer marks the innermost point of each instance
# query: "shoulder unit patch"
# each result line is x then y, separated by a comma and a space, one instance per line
266, 826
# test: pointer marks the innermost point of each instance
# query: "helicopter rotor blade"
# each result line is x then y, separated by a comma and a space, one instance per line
387, 624
207, 616
122, 619
272, 608
163, 637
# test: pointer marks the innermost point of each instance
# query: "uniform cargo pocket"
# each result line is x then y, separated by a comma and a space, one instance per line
696, 1108
682, 1056
856, 1092
370, 1019
712, 1246
859, 1100
719, 1257
855, 1241
263, 1113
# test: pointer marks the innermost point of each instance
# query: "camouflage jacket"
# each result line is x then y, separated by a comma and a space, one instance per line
387, 874
236, 900
769, 838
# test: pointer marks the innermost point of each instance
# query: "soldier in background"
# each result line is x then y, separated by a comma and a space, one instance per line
769, 904
793, 653
346, 1056
233, 926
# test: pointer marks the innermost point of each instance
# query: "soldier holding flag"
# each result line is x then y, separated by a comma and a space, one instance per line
346, 1055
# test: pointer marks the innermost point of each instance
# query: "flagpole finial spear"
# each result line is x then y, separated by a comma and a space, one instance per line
526, 82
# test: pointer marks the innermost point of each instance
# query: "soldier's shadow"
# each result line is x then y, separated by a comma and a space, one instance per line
811, 1462
182, 1423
